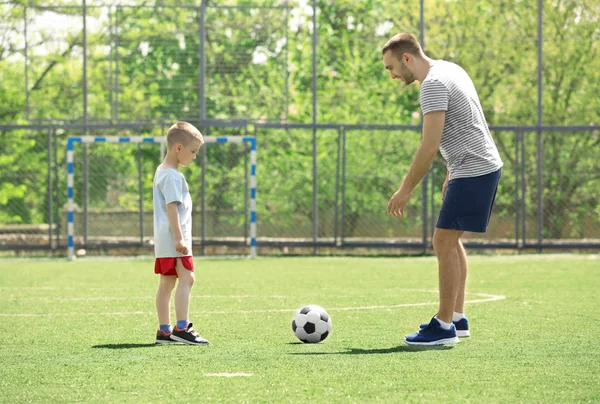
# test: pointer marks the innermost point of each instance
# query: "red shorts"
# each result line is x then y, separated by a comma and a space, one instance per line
166, 266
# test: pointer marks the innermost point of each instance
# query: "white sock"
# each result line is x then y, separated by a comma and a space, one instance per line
457, 316
445, 326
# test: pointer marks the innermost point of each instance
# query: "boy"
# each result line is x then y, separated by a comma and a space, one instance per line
173, 235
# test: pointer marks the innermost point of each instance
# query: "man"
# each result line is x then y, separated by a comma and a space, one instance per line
453, 122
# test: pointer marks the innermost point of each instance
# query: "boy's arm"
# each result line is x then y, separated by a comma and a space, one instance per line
173, 216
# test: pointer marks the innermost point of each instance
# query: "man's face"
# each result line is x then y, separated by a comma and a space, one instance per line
188, 153
398, 69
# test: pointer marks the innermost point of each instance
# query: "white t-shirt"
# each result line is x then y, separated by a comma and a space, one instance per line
466, 145
170, 186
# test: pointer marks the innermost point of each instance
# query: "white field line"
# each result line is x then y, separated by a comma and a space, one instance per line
485, 297
122, 298
228, 374
16, 298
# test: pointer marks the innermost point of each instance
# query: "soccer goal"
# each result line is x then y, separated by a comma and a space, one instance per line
71, 141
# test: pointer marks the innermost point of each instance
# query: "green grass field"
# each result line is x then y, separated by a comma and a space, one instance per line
84, 331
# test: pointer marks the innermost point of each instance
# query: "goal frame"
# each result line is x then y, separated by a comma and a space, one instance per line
72, 140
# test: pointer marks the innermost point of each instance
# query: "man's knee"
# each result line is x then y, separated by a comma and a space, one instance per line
446, 240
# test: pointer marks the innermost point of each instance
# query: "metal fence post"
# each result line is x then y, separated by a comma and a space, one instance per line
58, 216
85, 193
246, 188
523, 192
203, 202
27, 110
49, 179
116, 41
314, 121
110, 64
337, 187
517, 207
85, 80
422, 23
343, 224
141, 189
202, 51
162, 145
426, 177
287, 57
540, 187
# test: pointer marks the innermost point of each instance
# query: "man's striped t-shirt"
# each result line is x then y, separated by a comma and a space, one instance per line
466, 145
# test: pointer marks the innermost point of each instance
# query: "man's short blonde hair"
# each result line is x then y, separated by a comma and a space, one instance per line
184, 133
402, 43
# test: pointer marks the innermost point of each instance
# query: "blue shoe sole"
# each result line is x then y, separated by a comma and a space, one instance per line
444, 341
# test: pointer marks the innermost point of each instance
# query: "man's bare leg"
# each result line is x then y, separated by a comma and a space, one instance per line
445, 244
459, 305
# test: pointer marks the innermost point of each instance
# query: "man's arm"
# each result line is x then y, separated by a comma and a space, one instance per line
433, 127
173, 217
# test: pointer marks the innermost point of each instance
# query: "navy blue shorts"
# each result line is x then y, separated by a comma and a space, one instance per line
468, 203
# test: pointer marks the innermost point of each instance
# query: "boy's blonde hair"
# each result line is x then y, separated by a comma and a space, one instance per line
183, 132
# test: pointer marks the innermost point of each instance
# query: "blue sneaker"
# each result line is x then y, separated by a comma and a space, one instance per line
433, 334
462, 327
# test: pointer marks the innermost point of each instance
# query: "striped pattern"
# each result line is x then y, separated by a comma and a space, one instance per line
141, 139
467, 144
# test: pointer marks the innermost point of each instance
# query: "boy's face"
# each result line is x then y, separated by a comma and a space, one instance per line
186, 154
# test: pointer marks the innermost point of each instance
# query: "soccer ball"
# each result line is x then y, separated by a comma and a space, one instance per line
311, 324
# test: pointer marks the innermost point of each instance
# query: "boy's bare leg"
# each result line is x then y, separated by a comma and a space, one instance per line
183, 292
445, 244
182, 308
163, 298
459, 305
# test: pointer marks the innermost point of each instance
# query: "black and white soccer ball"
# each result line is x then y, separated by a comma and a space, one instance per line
311, 324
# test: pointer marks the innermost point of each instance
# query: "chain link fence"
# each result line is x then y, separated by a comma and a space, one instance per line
263, 68
330, 193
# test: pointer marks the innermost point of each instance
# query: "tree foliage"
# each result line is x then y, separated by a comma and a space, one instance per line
145, 63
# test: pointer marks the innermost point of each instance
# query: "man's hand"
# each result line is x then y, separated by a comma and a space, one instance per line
397, 203
445, 186
180, 247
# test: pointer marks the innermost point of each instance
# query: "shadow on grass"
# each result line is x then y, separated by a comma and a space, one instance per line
400, 348
124, 346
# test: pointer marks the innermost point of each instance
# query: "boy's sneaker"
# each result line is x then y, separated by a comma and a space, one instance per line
433, 334
462, 327
188, 336
163, 337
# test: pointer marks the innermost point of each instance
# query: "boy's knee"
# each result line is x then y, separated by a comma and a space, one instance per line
167, 287
167, 283
188, 280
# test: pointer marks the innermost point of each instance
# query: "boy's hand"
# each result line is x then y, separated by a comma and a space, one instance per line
180, 247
